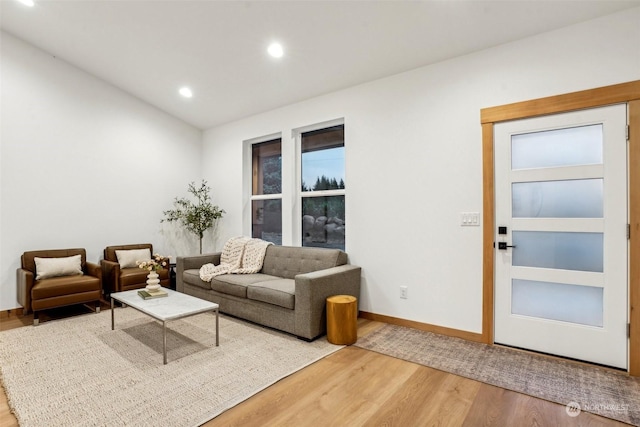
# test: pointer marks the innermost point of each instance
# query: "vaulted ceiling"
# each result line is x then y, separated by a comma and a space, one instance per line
218, 48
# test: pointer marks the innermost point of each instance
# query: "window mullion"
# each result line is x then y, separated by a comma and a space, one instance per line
323, 193
266, 196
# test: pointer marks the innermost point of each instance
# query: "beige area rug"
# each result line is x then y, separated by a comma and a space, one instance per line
78, 372
597, 390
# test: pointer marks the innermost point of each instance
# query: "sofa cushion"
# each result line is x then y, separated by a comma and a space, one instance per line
64, 285
61, 266
279, 292
28, 263
192, 277
110, 251
236, 284
289, 261
132, 276
129, 258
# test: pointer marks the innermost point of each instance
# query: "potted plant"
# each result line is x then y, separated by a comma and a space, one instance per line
196, 217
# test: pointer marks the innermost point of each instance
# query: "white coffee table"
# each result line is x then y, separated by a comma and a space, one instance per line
174, 306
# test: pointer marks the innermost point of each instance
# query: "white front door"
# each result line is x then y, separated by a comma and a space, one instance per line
561, 235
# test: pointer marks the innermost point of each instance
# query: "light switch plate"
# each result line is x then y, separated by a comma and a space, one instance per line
470, 219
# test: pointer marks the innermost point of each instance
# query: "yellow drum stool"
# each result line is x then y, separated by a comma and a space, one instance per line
342, 319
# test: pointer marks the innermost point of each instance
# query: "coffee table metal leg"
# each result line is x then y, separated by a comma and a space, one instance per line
164, 341
112, 326
217, 330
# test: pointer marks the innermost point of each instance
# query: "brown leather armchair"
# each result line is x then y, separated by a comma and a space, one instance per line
84, 285
117, 279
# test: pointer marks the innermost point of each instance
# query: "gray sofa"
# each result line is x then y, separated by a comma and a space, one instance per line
288, 294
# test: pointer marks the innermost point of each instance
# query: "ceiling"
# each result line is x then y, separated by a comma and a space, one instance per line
218, 48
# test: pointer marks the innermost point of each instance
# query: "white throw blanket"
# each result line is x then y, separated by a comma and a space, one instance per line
240, 255
253, 257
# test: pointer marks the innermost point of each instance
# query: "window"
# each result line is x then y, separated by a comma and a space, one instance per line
266, 198
323, 187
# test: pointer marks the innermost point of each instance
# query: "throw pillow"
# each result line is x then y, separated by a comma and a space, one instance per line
128, 258
52, 267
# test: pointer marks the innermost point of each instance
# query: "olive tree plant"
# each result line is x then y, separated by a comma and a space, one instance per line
197, 217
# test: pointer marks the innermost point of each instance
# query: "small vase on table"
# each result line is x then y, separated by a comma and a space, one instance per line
153, 282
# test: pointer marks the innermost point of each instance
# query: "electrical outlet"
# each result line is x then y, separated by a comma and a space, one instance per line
404, 292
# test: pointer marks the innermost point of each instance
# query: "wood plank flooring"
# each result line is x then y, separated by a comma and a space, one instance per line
357, 387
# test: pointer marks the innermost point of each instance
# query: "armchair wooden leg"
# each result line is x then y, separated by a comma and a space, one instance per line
36, 321
98, 307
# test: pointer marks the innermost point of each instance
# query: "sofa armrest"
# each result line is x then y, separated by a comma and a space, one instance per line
94, 270
312, 291
191, 263
110, 275
197, 261
25, 283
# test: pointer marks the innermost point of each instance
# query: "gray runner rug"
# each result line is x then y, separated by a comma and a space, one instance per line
597, 390
78, 372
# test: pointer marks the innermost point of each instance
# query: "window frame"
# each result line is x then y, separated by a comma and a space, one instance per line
248, 211
299, 195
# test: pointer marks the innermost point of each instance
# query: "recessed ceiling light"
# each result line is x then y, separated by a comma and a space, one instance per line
29, 3
186, 92
275, 50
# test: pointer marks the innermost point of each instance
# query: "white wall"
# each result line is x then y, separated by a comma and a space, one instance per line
413, 159
83, 164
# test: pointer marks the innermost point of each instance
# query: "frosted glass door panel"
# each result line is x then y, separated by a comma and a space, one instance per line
567, 251
558, 301
581, 198
553, 148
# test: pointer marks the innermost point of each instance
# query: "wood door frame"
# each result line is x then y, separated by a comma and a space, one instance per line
628, 93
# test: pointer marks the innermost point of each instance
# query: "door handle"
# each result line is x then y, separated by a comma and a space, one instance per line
503, 246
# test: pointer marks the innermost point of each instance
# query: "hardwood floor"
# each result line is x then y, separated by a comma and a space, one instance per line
356, 387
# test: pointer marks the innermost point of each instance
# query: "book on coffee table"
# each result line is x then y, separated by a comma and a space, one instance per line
145, 294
